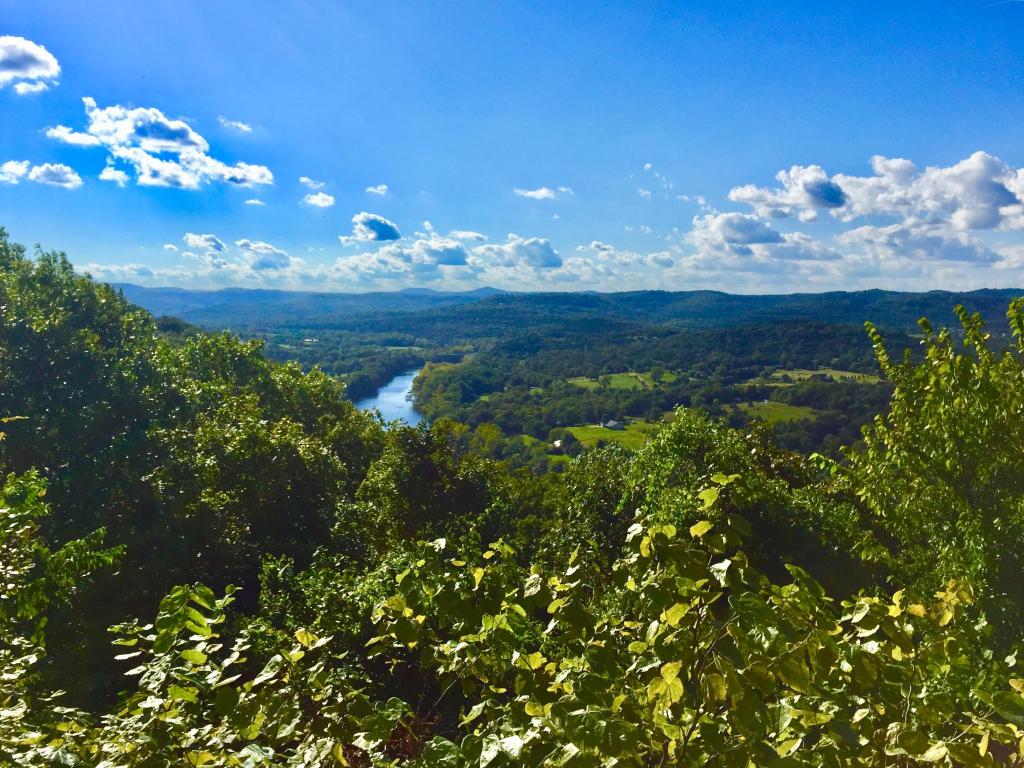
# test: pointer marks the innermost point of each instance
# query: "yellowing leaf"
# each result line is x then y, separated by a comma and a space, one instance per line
670, 670
675, 614
709, 496
699, 529
305, 637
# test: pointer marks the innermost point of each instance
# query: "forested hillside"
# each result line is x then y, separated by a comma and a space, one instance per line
533, 369
208, 558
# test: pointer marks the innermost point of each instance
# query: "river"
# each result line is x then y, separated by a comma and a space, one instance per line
394, 399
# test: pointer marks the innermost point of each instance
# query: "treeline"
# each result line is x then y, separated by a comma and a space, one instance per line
404, 600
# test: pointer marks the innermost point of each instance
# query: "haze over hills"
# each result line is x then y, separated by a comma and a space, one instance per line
254, 309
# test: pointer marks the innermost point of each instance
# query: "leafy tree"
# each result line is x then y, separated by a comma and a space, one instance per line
940, 472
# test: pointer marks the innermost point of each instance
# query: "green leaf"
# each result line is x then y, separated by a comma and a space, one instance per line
178, 693
192, 656
1010, 705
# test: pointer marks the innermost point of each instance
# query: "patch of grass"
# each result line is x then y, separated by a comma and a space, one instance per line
629, 380
775, 413
786, 376
634, 435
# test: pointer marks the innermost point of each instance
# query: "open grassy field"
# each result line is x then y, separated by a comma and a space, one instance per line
634, 435
773, 412
626, 380
785, 376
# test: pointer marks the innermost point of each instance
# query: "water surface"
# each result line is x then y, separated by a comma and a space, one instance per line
394, 399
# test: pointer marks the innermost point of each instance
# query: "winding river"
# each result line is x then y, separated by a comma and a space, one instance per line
394, 399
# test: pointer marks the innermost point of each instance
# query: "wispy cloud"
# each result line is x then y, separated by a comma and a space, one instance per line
543, 193
235, 125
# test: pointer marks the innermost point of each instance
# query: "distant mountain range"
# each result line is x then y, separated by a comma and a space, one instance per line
239, 308
231, 307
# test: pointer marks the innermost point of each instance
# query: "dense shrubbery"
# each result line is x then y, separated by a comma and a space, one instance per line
407, 600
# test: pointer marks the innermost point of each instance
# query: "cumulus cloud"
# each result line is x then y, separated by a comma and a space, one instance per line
319, 200
311, 183
163, 152
805, 189
115, 175
369, 227
235, 125
260, 255
980, 192
747, 236
536, 252
378, 189
543, 193
254, 201
917, 241
209, 243
26, 65
423, 259
13, 171
905, 217
251, 262
55, 174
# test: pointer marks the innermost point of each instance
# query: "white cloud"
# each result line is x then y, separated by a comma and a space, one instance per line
311, 183
170, 247
466, 234
55, 174
534, 252
916, 241
75, 138
260, 255
254, 201
164, 152
644, 193
116, 175
13, 171
805, 189
28, 65
235, 125
378, 189
319, 200
543, 193
742, 236
210, 243
369, 227
980, 192
24, 89
958, 226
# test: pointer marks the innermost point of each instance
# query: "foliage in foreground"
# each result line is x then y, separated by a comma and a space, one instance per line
694, 658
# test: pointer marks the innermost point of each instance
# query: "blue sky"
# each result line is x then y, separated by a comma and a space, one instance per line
756, 147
